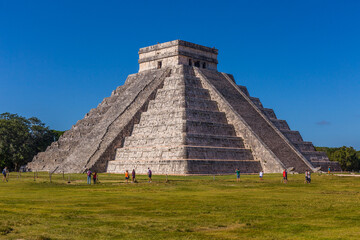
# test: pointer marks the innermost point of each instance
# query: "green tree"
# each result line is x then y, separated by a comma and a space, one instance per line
348, 157
21, 139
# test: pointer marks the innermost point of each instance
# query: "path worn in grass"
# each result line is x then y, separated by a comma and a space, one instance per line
192, 207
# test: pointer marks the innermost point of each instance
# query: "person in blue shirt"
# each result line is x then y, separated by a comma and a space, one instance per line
4, 172
89, 174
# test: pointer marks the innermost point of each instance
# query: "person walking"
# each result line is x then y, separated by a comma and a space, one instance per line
237, 171
285, 176
306, 177
329, 169
94, 177
309, 176
149, 175
4, 172
89, 173
261, 174
133, 175
127, 176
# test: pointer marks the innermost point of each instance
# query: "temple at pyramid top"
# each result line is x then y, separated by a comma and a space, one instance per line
177, 52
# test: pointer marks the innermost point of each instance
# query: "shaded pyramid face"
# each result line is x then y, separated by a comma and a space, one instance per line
179, 115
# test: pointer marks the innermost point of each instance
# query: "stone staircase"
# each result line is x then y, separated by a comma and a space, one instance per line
183, 131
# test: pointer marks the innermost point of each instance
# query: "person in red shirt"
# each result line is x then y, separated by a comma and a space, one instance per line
285, 176
94, 177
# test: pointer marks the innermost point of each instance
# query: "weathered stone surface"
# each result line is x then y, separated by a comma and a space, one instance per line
178, 115
196, 131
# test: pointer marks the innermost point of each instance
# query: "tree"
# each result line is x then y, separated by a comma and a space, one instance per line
21, 139
348, 157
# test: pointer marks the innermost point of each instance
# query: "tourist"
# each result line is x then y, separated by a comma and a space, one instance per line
127, 176
149, 175
285, 176
89, 173
4, 172
309, 177
306, 177
329, 169
237, 171
133, 175
94, 177
261, 174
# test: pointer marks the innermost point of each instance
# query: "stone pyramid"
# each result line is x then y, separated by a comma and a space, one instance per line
179, 115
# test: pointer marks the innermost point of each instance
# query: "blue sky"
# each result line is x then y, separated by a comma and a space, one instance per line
59, 59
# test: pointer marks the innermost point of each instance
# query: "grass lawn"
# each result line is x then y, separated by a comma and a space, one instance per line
187, 207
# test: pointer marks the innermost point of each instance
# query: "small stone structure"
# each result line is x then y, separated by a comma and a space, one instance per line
179, 115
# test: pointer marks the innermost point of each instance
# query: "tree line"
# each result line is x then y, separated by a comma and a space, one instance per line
22, 138
348, 157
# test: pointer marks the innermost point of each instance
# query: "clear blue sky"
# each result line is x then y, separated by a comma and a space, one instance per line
59, 59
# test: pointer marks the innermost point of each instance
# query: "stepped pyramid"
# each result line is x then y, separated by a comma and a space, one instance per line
179, 115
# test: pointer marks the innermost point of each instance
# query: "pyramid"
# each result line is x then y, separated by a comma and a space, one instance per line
179, 115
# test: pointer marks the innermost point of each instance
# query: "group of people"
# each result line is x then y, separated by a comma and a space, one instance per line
149, 173
127, 177
133, 175
89, 174
284, 179
237, 171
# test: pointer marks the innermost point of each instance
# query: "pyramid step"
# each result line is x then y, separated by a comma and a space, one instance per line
334, 166
213, 140
169, 129
177, 126
269, 112
304, 146
203, 115
293, 136
141, 141
193, 103
314, 156
189, 114
154, 115
158, 121
210, 128
218, 153
151, 152
222, 166
181, 152
256, 101
280, 124
181, 80
185, 91
141, 166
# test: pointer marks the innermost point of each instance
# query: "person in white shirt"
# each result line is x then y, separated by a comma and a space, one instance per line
261, 174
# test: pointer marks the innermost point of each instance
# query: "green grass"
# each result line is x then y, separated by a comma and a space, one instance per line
187, 207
